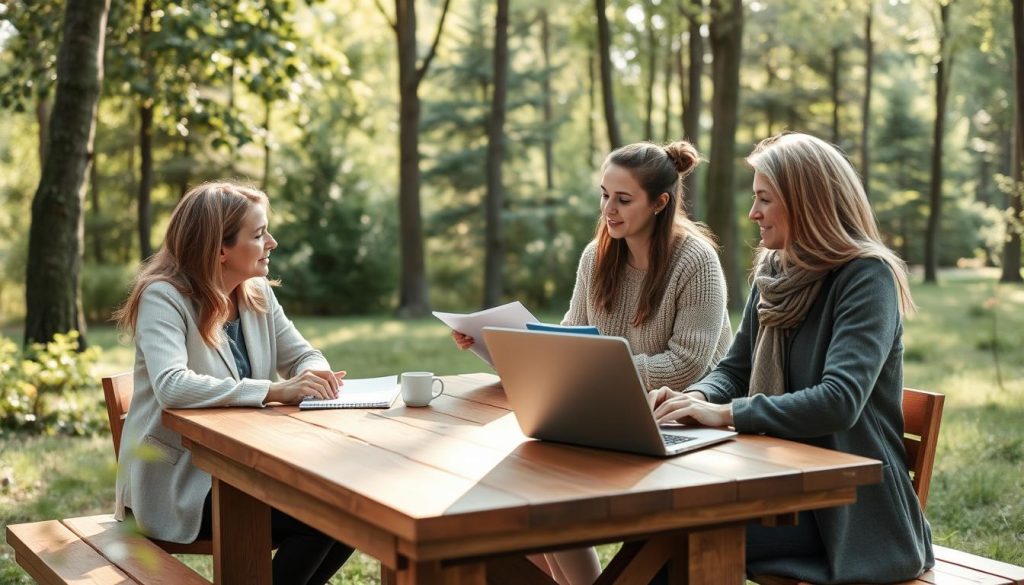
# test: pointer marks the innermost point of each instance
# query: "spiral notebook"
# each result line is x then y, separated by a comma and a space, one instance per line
360, 393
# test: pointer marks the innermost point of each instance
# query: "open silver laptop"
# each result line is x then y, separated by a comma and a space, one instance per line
584, 390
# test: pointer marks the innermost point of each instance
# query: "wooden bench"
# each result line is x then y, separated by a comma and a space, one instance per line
922, 415
94, 549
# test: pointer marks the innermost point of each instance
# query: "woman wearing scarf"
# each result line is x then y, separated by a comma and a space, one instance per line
818, 358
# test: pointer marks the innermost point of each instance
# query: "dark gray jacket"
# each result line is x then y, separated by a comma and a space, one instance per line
844, 382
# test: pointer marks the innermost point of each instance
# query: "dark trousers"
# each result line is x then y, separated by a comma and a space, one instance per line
305, 556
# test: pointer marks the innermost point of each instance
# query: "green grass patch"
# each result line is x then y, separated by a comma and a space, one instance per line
977, 498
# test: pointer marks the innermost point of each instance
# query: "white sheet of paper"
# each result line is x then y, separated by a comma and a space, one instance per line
513, 315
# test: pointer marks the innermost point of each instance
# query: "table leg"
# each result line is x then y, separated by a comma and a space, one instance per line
433, 573
241, 537
710, 557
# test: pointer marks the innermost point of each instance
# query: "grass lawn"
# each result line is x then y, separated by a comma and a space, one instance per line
964, 324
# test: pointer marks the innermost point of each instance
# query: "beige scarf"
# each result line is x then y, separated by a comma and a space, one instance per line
785, 298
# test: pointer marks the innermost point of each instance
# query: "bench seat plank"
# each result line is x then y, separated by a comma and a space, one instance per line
134, 554
52, 554
1011, 573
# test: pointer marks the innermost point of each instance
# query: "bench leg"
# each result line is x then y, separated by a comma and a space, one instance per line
241, 537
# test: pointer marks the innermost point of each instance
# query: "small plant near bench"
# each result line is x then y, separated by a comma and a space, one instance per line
49, 388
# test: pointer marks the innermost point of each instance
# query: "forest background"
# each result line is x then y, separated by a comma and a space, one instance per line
445, 154
311, 102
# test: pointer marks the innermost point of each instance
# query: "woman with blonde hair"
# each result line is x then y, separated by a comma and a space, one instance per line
209, 332
652, 276
818, 358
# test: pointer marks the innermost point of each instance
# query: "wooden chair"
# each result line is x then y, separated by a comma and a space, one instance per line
117, 391
922, 415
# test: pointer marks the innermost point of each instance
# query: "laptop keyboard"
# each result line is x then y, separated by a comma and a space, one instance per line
672, 440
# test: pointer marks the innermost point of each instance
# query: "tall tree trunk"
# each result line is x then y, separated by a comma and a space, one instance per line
95, 200
771, 76
494, 260
413, 300
670, 53
865, 116
549, 143
726, 49
183, 184
694, 102
42, 122
145, 187
652, 65
145, 192
55, 238
942, 66
604, 42
593, 152
1011, 250
267, 108
837, 58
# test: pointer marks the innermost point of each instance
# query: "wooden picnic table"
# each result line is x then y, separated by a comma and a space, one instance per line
453, 493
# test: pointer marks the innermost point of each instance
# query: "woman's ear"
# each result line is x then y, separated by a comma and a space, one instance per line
660, 203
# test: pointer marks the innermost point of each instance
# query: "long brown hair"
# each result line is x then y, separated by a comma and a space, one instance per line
830, 219
207, 218
658, 169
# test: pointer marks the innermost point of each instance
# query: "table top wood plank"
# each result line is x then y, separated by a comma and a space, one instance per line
336, 468
821, 468
543, 473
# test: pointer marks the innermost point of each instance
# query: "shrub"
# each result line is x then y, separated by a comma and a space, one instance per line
104, 288
49, 388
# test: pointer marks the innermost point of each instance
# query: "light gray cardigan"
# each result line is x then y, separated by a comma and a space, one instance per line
844, 387
175, 368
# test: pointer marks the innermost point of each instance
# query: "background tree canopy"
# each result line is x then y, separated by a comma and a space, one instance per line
305, 100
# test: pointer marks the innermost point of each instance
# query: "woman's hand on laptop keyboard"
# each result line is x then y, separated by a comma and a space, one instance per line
688, 408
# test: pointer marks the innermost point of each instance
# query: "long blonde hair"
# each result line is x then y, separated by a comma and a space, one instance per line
830, 219
207, 218
658, 169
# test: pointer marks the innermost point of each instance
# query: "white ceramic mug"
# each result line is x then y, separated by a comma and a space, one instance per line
418, 388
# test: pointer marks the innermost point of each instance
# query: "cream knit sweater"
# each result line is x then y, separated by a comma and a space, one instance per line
685, 337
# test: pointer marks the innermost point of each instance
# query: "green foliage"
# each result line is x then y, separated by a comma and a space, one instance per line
336, 250
50, 388
104, 288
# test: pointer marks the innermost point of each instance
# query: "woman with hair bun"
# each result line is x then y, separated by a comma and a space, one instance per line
652, 276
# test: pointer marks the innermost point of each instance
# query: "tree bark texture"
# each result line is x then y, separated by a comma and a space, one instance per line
549, 145
931, 242
413, 298
494, 261
865, 125
693, 103
55, 237
1012, 248
652, 66
604, 41
835, 80
726, 49
145, 191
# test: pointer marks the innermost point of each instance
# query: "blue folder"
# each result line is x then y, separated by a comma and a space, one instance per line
554, 328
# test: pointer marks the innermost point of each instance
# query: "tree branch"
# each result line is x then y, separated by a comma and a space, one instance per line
391, 23
433, 47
